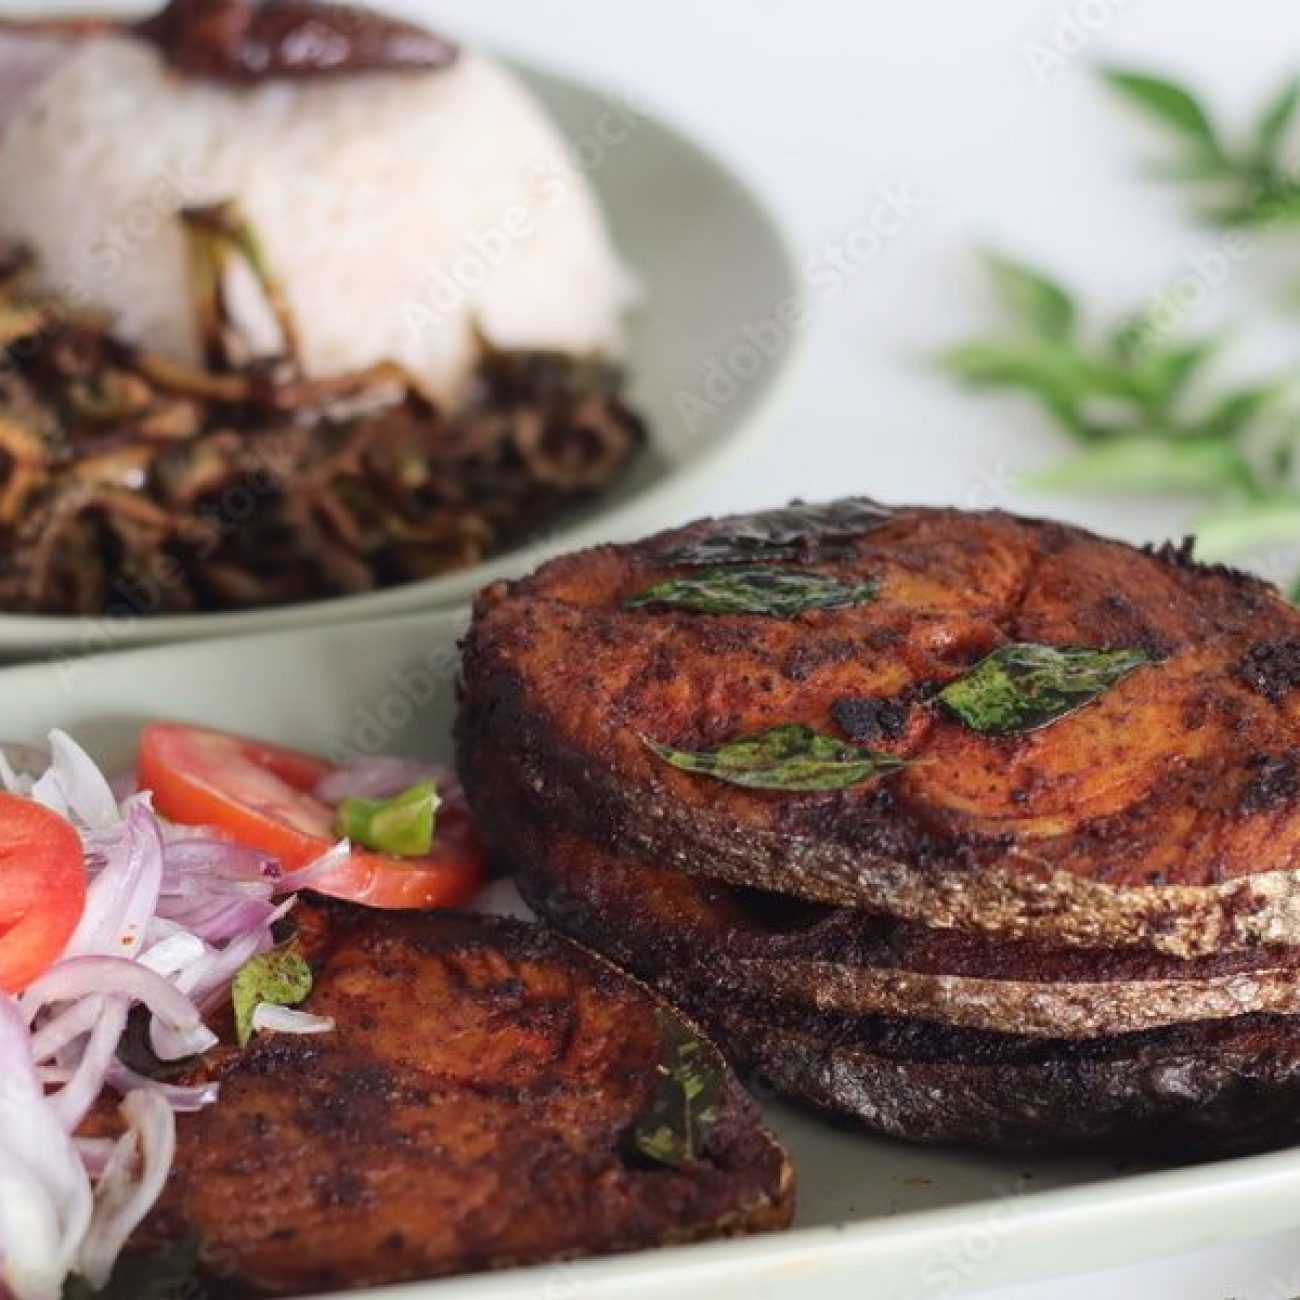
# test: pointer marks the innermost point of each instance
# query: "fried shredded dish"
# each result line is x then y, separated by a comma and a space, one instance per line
131, 485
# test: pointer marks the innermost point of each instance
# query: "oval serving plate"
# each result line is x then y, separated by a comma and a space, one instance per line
710, 261
876, 1217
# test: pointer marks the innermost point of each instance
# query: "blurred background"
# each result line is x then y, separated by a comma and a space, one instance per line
893, 138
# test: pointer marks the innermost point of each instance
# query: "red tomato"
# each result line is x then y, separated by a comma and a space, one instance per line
260, 795
42, 889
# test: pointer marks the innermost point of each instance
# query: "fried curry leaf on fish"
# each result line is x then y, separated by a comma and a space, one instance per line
675, 1127
777, 593
795, 532
788, 757
1022, 687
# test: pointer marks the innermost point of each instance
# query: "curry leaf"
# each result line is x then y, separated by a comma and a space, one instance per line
401, 826
282, 977
687, 1098
788, 757
1253, 184
1036, 299
777, 593
1275, 120
796, 532
1169, 103
1023, 686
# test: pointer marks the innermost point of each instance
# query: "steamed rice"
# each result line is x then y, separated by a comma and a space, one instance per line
398, 210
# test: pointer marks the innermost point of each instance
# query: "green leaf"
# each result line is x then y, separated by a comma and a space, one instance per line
1232, 413
282, 977
1166, 372
167, 1272
687, 1100
1169, 103
1044, 367
1275, 121
788, 757
1022, 687
796, 532
401, 826
777, 593
1144, 464
1042, 304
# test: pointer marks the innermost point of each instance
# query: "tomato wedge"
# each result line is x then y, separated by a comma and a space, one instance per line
42, 889
260, 795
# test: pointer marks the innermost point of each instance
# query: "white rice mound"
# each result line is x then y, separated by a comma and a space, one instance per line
398, 210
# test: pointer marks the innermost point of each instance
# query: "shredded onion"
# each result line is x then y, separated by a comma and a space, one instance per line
170, 917
275, 1019
45, 1193
124, 1195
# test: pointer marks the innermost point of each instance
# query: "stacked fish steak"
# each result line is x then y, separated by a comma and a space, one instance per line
976, 828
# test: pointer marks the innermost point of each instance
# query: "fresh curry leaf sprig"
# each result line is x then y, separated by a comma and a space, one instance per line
1144, 410
1250, 182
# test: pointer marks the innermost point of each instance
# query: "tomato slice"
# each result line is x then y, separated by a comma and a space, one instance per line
42, 889
260, 795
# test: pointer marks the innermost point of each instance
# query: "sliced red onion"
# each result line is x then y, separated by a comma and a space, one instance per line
219, 920
184, 1099
80, 977
171, 916
271, 1018
172, 954
122, 898
381, 777
75, 1021
74, 787
71, 1103
200, 862
208, 981
45, 1197
123, 1197
307, 876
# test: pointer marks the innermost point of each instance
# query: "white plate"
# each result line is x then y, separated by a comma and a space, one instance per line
710, 260
877, 1219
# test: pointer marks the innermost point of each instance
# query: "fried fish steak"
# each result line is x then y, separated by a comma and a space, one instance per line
1042, 1055
675, 930
1186, 1091
1166, 813
476, 1107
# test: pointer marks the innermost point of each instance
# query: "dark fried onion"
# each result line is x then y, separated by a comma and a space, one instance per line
132, 485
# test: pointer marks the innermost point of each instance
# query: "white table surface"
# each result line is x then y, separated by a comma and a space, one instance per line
826, 105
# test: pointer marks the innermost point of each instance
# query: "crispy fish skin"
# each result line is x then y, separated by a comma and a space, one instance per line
1194, 1087
1165, 814
672, 929
1186, 1091
472, 1110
